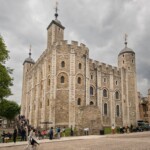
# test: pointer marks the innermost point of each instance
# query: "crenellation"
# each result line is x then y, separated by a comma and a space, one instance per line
74, 43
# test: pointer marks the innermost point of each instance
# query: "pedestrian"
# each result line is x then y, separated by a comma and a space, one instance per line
15, 135
113, 129
131, 128
64, 131
23, 134
58, 132
71, 132
51, 133
3, 137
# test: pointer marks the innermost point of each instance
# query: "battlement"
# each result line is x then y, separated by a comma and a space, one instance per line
105, 67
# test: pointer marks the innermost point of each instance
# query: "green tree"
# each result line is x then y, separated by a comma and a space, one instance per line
5, 72
9, 109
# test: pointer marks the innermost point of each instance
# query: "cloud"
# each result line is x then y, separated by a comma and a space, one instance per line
101, 25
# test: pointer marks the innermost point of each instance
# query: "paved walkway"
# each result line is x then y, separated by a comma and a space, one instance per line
132, 141
54, 140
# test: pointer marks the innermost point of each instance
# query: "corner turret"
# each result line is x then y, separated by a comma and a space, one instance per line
55, 30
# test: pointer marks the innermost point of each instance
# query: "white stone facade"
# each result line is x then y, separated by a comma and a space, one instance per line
62, 85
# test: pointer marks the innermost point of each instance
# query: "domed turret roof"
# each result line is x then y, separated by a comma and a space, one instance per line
29, 59
126, 50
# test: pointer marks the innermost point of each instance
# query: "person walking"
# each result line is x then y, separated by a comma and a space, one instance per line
51, 133
15, 135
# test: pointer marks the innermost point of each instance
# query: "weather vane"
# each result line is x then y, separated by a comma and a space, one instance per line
30, 50
125, 37
56, 9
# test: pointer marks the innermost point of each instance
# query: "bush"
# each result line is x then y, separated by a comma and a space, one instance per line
107, 130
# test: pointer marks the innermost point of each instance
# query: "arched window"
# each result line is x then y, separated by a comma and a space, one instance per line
79, 80
104, 80
48, 102
117, 95
62, 79
116, 82
91, 103
105, 93
40, 104
117, 111
91, 76
49, 81
80, 66
62, 64
49, 67
91, 91
105, 109
79, 101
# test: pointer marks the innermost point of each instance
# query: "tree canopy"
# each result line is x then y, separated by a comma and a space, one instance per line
5, 72
9, 109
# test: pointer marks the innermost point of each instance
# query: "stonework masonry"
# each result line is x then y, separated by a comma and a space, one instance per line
65, 87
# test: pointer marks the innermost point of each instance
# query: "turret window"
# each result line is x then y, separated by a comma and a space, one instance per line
104, 80
116, 82
62, 79
49, 68
79, 80
79, 101
49, 81
105, 109
62, 64
105, 93
117, 95
80, 66
48, 102
91, 91
123, 61
117, 111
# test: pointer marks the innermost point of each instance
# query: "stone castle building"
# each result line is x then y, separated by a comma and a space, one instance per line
65, 87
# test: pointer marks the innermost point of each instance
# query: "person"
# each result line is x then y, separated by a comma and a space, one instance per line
15, 135
64, 131
131, 128
3, 137
32, 140
71, 132
51, 133
113, 129
58, 132
26, 129
23, 134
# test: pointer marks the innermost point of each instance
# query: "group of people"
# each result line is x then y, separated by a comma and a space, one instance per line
124, 129
8, 136
58, 131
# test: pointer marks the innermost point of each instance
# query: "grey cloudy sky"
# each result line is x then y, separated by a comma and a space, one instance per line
100, 24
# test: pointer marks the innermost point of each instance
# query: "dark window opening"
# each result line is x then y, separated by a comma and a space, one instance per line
105, 109
62, 64
79, 101
62, 79
91, 103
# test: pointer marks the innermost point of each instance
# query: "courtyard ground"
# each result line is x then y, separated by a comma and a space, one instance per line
131, 141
